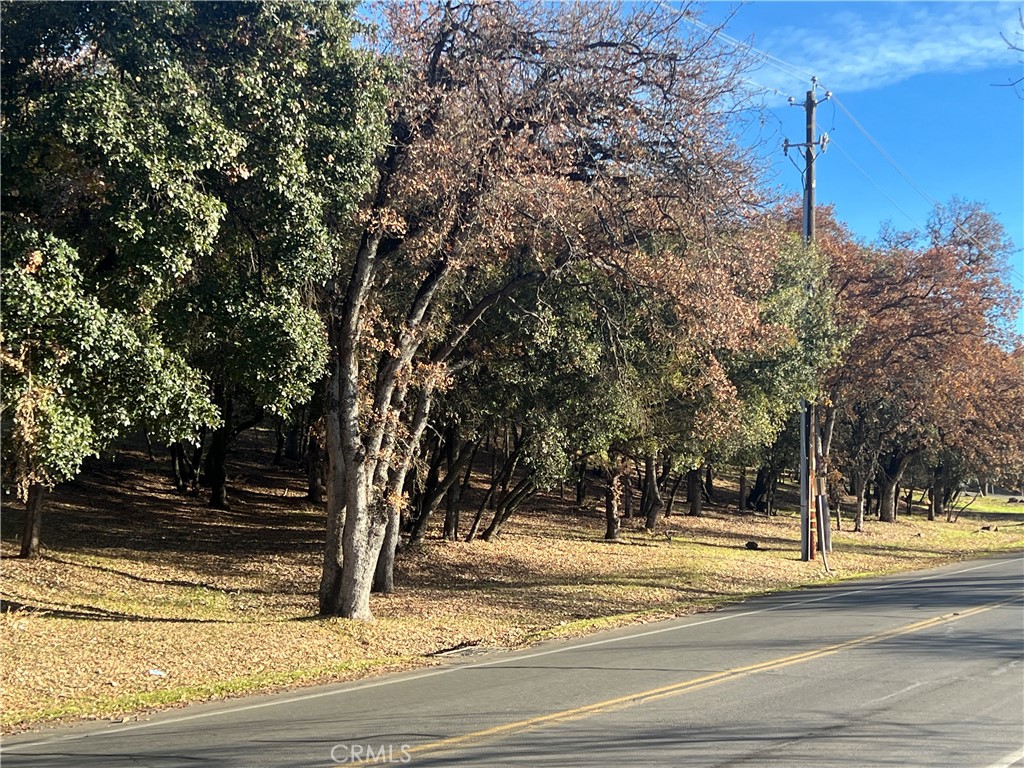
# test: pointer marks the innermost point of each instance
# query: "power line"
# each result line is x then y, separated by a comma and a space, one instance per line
912, 220
882, 151
774, 61
793, 70
865, 174
783, 66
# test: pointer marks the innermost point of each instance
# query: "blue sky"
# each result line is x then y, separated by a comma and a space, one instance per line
927, 82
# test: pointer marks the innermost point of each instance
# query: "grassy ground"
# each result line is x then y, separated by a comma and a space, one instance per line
992, 507
146, 599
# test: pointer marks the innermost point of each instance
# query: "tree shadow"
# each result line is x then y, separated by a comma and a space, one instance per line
92, 613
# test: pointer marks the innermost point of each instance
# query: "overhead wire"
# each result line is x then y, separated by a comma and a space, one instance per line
1008, 266
793, 70
906, 176
783, 66
897, 206
882, 151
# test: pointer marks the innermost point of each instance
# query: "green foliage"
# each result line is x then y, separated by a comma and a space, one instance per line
76, 373
590, 364
274, 347
175, 175
802, 343
566, 365
284, 77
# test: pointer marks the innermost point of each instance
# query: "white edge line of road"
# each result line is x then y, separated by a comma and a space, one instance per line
517, 657
1009, 760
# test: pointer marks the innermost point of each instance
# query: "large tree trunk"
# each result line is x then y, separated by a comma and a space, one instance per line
33, 521
216, 468
375, 459
694, 492
889, 480
655, 503
330, 576
361, 541
612, 496
860, 501
349, 513
377, 442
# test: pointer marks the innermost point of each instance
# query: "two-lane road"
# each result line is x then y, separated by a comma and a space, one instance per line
924, 669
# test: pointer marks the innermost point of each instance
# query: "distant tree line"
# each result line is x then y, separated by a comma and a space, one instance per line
521, 231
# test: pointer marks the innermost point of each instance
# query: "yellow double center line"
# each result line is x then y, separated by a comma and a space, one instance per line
697, 683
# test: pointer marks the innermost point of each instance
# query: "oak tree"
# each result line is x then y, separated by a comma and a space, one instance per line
524, 137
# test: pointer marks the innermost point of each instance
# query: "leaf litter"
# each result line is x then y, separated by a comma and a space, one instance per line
145, 598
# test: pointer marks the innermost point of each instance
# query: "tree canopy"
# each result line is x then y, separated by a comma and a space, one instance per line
528, 226
172, 174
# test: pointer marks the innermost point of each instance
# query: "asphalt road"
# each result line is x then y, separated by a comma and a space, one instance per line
923, 669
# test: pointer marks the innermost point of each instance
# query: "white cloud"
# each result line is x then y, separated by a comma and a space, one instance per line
871, 45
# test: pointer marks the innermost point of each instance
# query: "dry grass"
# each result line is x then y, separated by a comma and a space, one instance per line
145, 598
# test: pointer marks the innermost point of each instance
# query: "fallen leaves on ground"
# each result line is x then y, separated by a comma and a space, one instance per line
145, 598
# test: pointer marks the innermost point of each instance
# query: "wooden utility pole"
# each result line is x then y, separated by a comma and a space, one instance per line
812, 497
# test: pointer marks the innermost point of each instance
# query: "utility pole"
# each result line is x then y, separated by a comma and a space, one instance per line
813, 504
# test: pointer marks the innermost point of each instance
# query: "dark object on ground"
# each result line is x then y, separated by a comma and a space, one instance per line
752, 545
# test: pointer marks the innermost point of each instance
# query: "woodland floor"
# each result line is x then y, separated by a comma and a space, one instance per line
144, 598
